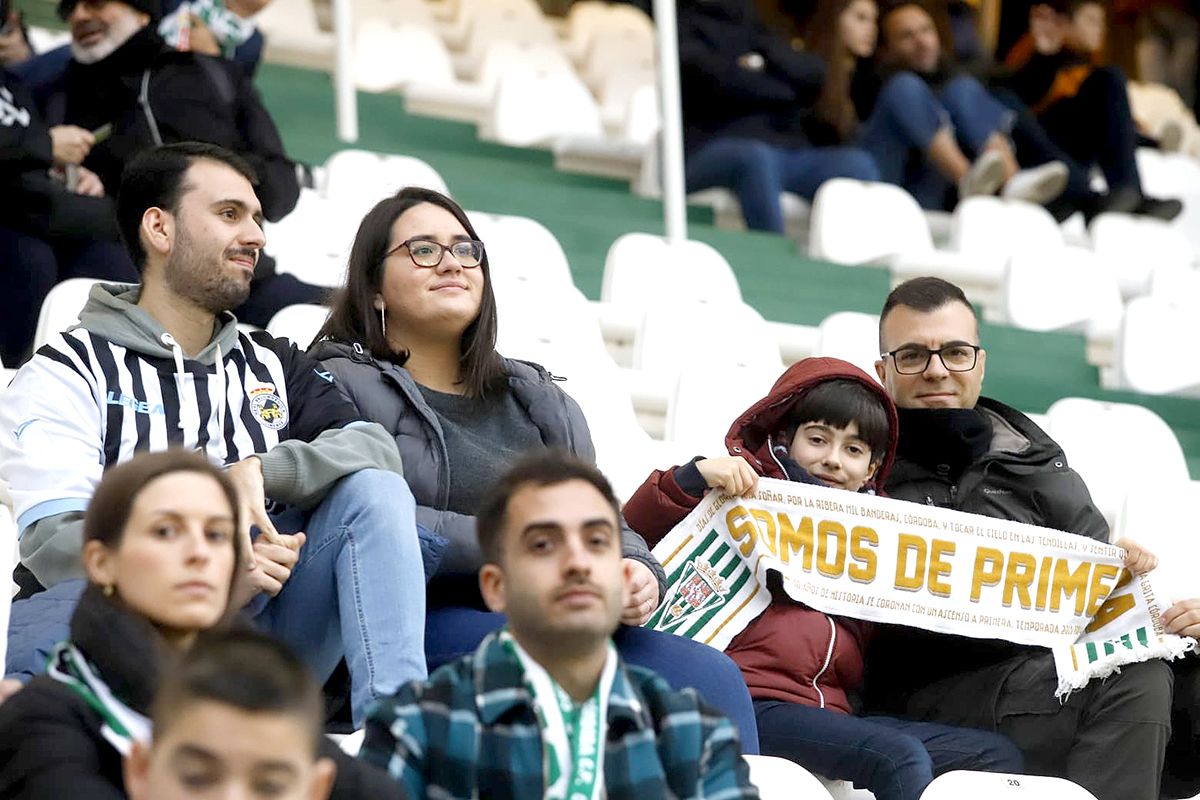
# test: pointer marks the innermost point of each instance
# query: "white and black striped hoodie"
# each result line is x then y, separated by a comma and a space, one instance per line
119, 384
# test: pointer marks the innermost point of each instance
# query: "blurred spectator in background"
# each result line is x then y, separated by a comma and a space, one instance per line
123, 78
747, 98
1083, 105
921, 123
51, 229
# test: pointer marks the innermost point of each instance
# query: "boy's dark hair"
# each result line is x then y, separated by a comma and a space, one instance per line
546, 467
154, 179
246, 670
922, 294
839, 402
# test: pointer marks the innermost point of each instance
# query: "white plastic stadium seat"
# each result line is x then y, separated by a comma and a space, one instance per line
862, 223
1151, 516
1080, 426
387, 56
719, 334
1002, 786
293, 36
522, 253
1145, 360
493, 25
313, 241
989, 230
8, 547
533, 108
703, 406
1124, 242
357, 179
642, 269
851, 336
1063, 289
780, 779
299, 323
60, 309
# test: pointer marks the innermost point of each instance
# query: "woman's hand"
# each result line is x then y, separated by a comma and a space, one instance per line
643, 593
729, 474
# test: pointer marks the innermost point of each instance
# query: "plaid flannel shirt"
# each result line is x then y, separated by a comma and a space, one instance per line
471, 731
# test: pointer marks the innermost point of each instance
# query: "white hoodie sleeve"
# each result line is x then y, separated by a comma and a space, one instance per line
51, 441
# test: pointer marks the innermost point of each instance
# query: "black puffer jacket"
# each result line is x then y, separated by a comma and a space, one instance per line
386, 393
1023, 477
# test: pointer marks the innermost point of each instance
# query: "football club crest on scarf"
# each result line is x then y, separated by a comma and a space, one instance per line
268, 407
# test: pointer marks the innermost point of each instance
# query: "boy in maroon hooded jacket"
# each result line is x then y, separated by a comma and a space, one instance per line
824, 422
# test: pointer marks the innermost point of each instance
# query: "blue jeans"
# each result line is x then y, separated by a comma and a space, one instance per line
907, 115
358, 590
758, 173
453, 632
893, 758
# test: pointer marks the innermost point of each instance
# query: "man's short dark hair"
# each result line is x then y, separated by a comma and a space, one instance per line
543, 467
839, 402
246, 670
154, 179
924, 295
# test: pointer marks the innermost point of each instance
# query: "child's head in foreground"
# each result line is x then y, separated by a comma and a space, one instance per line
238, 716
838, 431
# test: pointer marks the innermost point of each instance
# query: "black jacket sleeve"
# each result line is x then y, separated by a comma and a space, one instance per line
24, 137
278, 187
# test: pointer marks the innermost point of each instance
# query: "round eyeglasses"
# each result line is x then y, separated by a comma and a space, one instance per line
427, 253
957, 357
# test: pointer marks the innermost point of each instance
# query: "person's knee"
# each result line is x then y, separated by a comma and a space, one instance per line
380, 486
857, 164
756, 161
1143, 690
903, 90
1001, 754
1109, 81
963, 89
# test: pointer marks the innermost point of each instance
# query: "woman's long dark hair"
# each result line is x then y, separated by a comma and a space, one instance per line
834, 105
353, 318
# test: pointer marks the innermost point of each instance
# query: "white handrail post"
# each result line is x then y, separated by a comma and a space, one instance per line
344, 98
671, 140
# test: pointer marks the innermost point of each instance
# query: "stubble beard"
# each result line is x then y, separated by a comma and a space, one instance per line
204, 280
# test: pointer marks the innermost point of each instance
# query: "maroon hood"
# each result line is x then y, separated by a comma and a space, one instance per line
758, 427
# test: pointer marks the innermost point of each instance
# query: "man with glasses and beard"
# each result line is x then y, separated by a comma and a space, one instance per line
970, 453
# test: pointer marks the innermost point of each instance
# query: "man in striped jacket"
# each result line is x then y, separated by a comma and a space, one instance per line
164, 365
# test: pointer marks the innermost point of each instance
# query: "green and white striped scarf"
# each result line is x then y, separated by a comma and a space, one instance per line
122, 725
572, 734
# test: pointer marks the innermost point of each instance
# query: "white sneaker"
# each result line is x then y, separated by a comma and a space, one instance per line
985, 176
1037, 185
1170, 137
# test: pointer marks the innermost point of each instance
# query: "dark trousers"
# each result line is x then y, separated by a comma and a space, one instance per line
274, 292
1096, 127
30, 267
451, 632
1109, 737
1181, 772
893, 758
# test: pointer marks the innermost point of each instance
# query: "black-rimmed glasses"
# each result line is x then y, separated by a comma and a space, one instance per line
957, 357
427, 253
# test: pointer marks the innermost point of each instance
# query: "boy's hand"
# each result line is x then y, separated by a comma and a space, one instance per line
729, 474
1138, 559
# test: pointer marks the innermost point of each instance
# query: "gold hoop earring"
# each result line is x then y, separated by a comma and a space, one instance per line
108, 590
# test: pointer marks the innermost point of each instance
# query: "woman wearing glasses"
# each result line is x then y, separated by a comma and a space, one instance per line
411, 340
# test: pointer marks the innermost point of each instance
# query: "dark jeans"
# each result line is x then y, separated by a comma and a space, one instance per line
1096, 127
451, 632
894, 758
1108, 737
758, 173
1181, 772
30, 267
907, 115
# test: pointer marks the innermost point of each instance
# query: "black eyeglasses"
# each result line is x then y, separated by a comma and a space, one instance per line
957, 357
425, 253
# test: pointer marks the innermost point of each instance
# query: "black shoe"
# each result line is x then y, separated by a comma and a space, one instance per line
1123, 200
1165, 209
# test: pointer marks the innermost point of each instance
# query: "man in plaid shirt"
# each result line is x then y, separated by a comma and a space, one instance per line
545, 707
